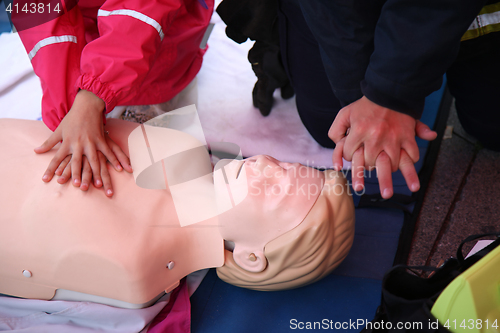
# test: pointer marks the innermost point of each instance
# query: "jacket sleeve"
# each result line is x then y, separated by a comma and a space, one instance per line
414, 44
114, 65
54, 49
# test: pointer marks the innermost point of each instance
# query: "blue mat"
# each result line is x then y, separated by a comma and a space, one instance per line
346, 299
4, 19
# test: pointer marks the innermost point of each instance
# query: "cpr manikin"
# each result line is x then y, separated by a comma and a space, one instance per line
285, 225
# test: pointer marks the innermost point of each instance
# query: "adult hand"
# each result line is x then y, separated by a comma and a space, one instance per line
378, 137
84, 148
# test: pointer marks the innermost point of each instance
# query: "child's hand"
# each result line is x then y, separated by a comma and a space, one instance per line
64, 171
84, 148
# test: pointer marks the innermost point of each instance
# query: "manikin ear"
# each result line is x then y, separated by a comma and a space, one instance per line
252, 261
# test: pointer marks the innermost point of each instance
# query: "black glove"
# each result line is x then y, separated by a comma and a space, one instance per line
267, 66
257, 20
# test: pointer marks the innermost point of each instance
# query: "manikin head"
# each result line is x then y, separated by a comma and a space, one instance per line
259, 199
295, 225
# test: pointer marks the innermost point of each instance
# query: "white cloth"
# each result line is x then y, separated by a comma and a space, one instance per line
37, 316
20, 90
26, 316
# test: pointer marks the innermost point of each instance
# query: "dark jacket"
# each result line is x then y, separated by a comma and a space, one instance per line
394, 52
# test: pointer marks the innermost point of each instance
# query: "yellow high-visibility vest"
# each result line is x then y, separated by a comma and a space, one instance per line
486, 22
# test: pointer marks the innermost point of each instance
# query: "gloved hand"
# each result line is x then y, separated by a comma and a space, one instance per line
256, 19
267, 66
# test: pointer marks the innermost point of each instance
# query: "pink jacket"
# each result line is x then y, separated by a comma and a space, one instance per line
127, 52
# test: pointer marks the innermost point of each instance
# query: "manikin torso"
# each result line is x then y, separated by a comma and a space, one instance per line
61, 235
56, 240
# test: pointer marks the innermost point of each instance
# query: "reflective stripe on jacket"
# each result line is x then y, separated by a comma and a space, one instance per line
486, 22
127, 52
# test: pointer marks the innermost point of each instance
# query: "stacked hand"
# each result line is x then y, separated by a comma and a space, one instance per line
85, 148
372, 136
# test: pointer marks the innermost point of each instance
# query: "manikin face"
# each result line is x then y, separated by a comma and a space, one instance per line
268, 198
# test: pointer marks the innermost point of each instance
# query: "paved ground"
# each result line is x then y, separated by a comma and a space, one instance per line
463, 198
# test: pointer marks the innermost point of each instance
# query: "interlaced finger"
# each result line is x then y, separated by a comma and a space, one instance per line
92, 158
408, 170
61, 154
106, 179
76, 167
358, 170
66, 175
110, 155
384, 175
86, 174
63, 165
337, 155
